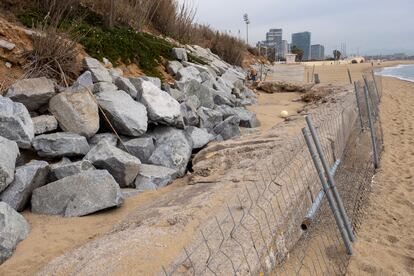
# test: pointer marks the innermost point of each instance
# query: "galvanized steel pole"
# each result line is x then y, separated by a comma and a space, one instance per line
358, 105
331, 180
371, 127
328, 193
376, 87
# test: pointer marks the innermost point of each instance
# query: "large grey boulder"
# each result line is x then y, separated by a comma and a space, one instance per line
173, 67
179, 54
33, 93
27, 178
178, 95
60, 144
126, 85
229, 128
155, 81
142, 148
233, 76
248, 119
173, 149
104, 87
121, 165
209, 118
188, 73
126, 115
152, 177
44, 123
202, 92
13, 229
84, 81
76, 112
110, 138
8, 155
202, 69
223, 85
199, 136
64, 169
223, 98
161, 107
226, 110
190, 115
78, 195
15, 123
99, 72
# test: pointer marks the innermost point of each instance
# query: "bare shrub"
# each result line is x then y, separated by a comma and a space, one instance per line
134, 13
54, 55
174, 20
57, 9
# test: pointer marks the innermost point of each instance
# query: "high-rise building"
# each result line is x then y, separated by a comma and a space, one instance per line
303, 42
283, 49
274, 37
317, 52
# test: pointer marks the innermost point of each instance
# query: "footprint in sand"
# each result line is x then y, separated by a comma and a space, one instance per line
392, 239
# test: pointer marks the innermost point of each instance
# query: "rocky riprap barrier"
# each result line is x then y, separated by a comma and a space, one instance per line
80, 165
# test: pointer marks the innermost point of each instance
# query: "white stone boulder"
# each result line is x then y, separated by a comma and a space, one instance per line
180, 54
8, 155
15, 123
99, 72
126, 85
44, 123
33, 93
126, 115
161, 107
76, 112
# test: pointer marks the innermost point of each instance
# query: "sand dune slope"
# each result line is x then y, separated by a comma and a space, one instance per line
386, 239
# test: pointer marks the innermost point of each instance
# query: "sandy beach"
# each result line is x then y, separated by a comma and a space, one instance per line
386, 240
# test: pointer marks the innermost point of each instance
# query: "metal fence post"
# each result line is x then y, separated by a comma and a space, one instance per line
358, 105
349, 76
328, 193
376, 87
331, 180
371, 126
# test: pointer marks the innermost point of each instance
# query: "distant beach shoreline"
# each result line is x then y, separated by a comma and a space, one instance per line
404, 72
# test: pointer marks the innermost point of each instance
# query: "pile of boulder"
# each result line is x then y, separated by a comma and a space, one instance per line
108, 136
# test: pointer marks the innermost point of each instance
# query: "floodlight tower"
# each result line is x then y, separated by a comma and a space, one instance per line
247, 21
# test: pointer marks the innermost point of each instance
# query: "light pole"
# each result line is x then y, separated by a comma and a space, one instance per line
247, 21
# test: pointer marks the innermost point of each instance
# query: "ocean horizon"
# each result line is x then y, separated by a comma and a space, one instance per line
402, 72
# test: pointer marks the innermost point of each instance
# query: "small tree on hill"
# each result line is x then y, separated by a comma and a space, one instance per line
298, 52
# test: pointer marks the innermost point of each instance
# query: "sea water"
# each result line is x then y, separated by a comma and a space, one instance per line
402, 72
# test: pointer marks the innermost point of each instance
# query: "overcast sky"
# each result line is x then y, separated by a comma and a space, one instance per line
372, 26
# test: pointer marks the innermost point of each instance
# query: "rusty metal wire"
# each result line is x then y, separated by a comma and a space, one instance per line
259, 232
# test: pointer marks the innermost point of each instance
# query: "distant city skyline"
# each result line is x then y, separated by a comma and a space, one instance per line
367, 27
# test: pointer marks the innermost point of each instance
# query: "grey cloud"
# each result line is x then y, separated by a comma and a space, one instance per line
370, 25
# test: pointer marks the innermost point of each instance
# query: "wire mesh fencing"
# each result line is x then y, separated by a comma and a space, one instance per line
281, 221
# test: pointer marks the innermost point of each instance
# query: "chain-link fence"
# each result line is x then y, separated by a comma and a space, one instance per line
286, 219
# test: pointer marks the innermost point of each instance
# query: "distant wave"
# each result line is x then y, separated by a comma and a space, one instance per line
403, 72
